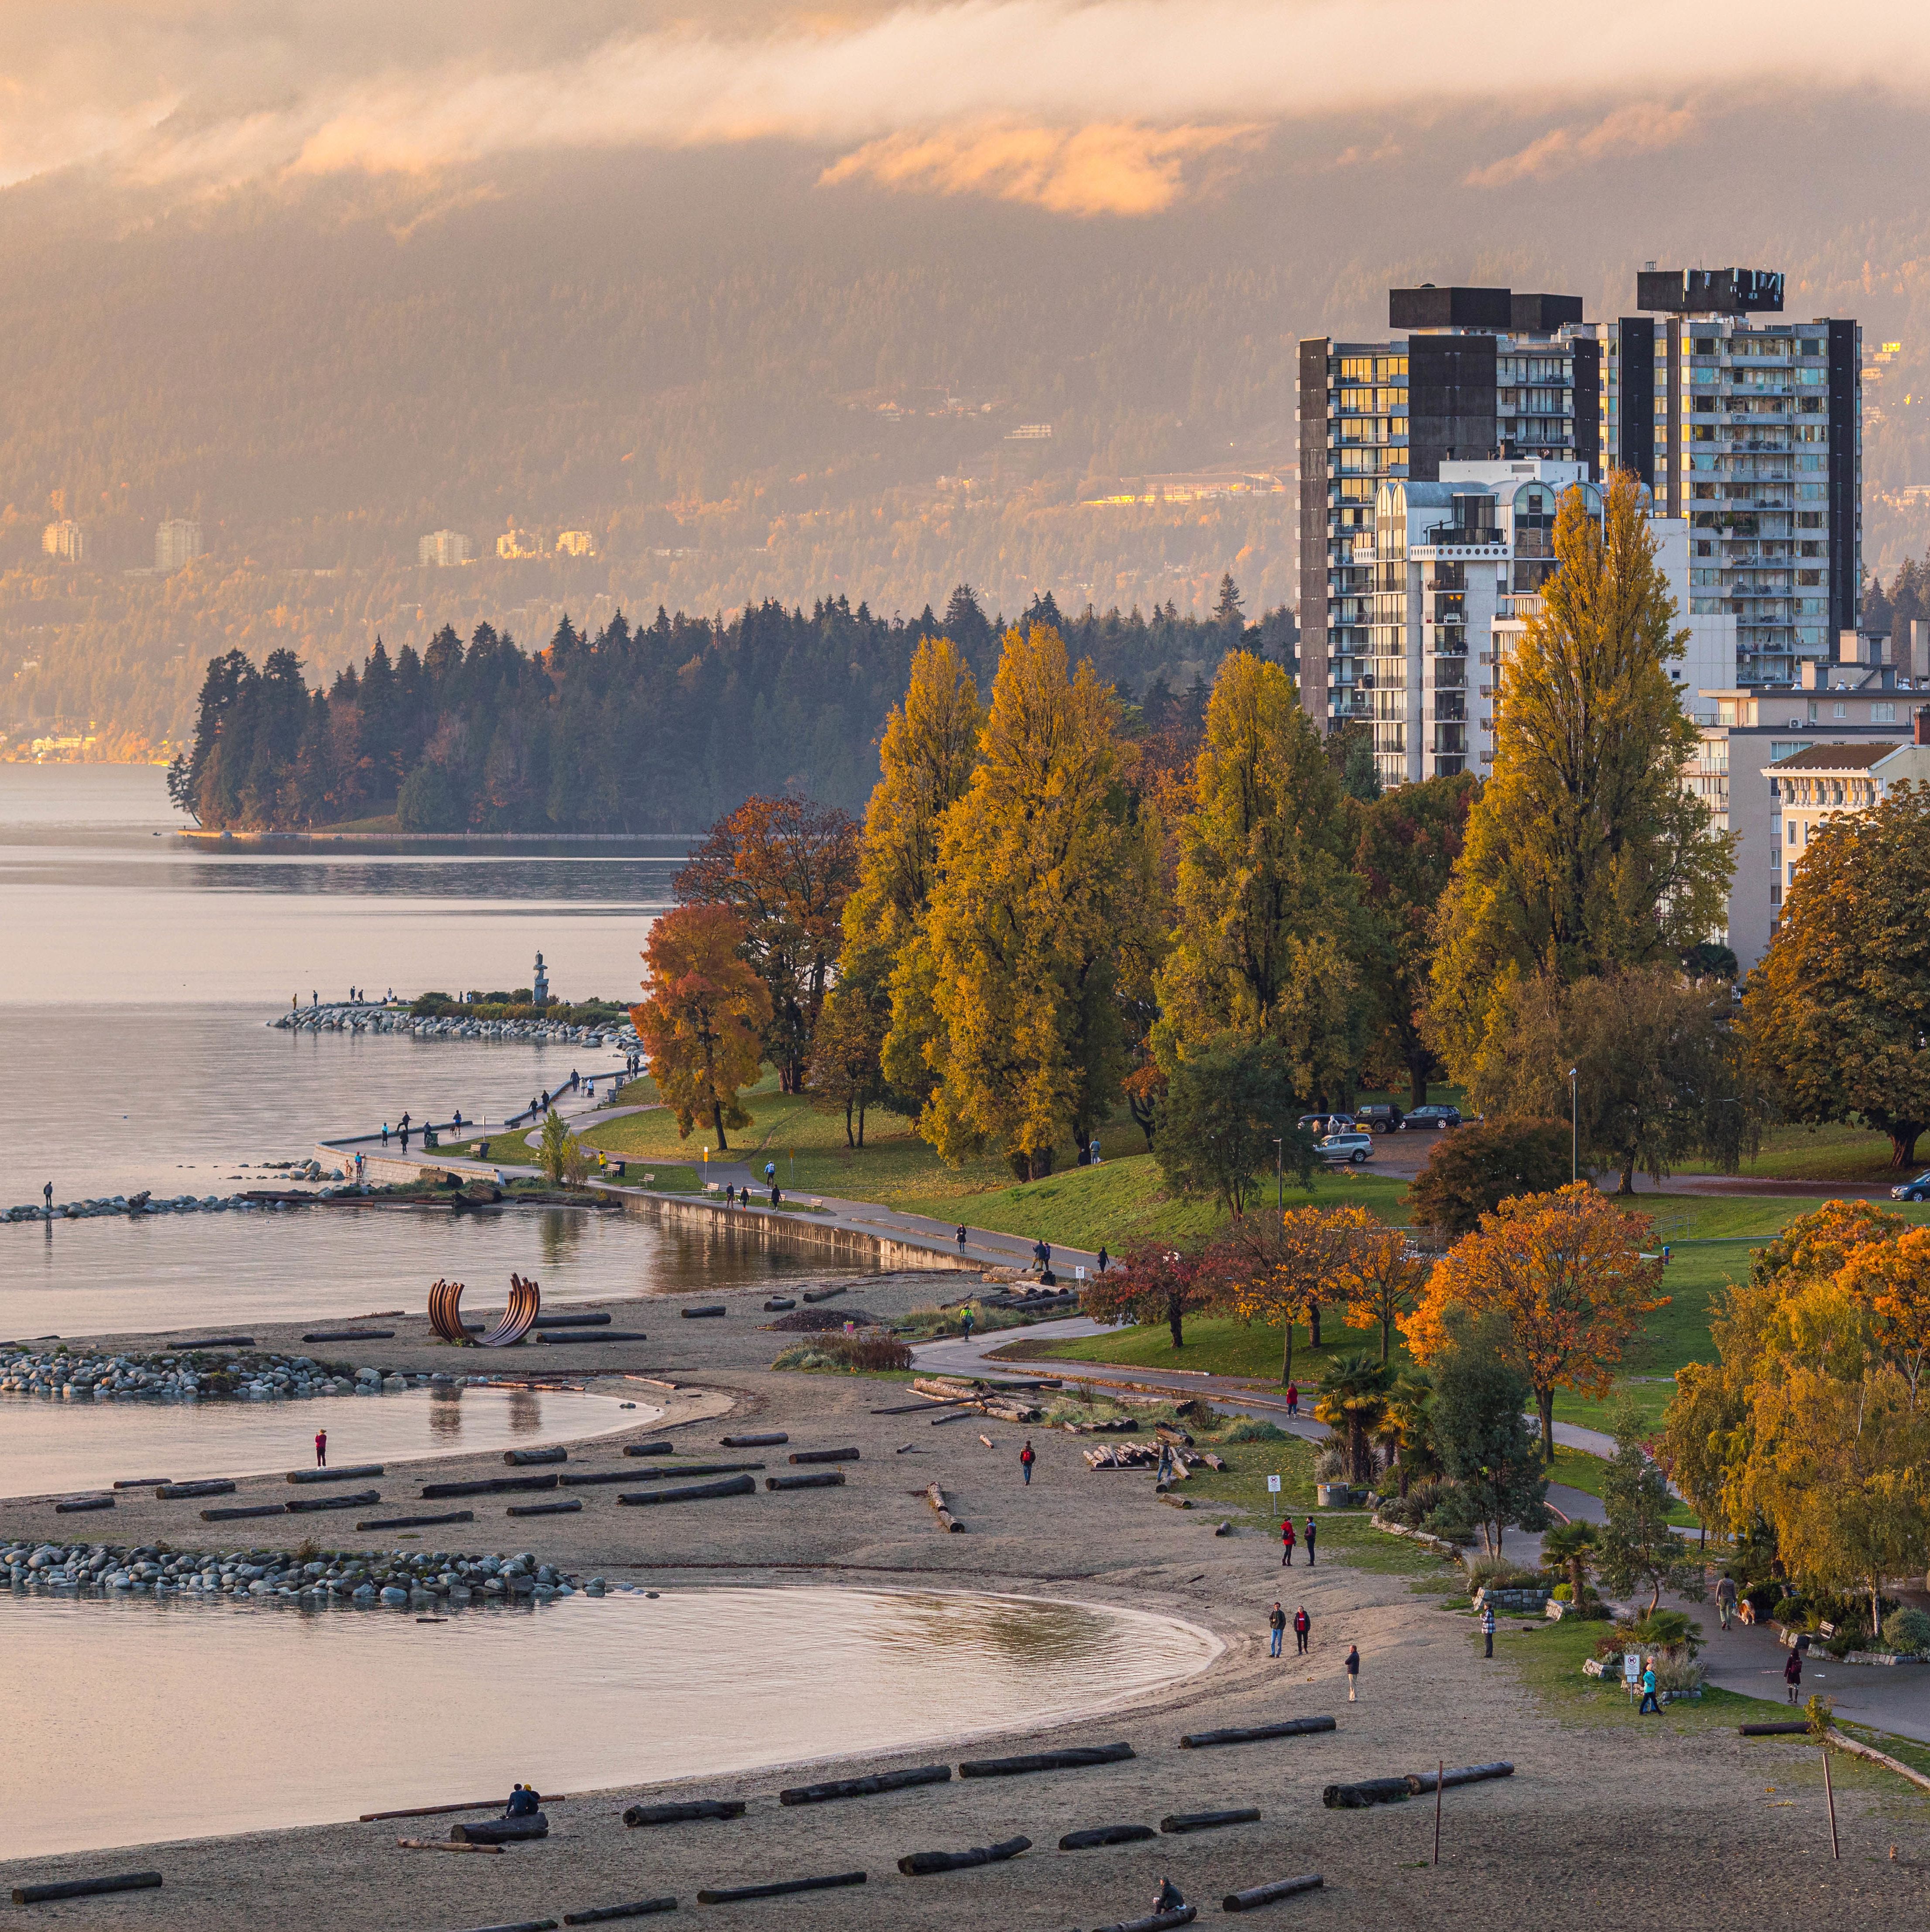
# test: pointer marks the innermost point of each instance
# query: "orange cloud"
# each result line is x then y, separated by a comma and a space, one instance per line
1111, 168
1639, 128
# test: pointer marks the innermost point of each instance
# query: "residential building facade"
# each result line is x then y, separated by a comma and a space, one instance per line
442, 548
64, 541
177, 543
1808, 789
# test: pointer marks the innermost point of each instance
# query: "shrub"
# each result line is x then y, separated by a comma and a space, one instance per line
1501, 1573
1412, 1510
1330, 1462
1907, 1629
1664, 1631
1249, 1429
1677, 1675
1472, 1170
850, 1354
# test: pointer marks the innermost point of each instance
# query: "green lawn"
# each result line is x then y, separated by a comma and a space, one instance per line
1580, 1471
1819, 1153
1216, 1346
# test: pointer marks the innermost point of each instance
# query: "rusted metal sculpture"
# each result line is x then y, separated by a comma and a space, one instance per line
445, 1315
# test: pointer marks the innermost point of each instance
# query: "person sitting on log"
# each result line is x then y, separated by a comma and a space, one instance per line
523, 1802
1169, 1897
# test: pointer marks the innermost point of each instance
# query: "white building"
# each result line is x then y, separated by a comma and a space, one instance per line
64, 541
1457, 568
443, 548
177, 542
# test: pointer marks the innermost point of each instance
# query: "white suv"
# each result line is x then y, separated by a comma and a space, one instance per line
1353, 1146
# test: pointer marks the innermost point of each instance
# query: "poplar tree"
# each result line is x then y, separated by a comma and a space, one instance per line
1584, 852
1041, 917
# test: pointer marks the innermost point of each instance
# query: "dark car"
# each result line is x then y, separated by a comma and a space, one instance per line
1435, 1115
1318, 1124
1918, 1189
1380, 1120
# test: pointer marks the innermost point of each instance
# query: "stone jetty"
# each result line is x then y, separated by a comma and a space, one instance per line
144, 1202
385, 1019
396, 1579
189, 1374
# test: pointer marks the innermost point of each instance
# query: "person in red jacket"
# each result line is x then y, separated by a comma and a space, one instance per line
1026, 1459
1293, 1398
1286, 1543
321, 1448
1303, 1628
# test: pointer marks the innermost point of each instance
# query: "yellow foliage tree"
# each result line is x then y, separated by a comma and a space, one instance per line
1381, 1278
1892, 1279
1043, 920
1278, 1272
1567, 1270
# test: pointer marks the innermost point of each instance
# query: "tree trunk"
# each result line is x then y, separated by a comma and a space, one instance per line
1627, 1183
1876, 1608
1903, 1137
1286, 1366
860, 1123
1575, 1580
1544, 1403
848, 1141
1357, 1447
1313, 1324
717, 1121
1386, 1335
1175, 1313
1142, 1117
1418, 1070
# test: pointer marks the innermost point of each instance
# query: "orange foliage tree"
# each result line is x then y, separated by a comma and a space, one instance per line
1278, 1272
1891, 1280
702, 1019
1567, 1270
1381, 1278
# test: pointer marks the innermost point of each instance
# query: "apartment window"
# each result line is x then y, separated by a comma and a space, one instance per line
1883, 714
1839, 710
1792, 831
1792, 875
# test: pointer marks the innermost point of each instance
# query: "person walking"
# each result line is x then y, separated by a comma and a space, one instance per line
1286, 1543
1353, 1672
1649, 1704
321, 1448
1105, 1259
1312, 1533
1303, 1628
1277, 1624
1293, 1398
1026, 1459
1487, 1630
966, 1324
1725, 1600
1792, 1674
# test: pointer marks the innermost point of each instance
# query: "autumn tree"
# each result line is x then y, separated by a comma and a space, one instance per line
1585, 853
927, 754
1891, 1280
1229, 1115
1044, 912
1404, 847
1838, 1014
1382, 1279
785, 867
1567, 1270
1470, 1171
1152, 1281
1263, 930
1277, 1270
702, 1018
846, 1070
1657, 1065
1638, 1548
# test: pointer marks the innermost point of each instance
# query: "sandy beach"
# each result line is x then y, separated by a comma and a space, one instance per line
1602, 1825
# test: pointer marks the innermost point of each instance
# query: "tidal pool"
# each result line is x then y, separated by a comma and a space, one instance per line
145, 1721
48, 1446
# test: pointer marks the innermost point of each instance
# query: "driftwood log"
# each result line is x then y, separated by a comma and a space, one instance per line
308, 1505
683, 1814
568, 1507
85, 1888
676, 1472
351, 1335
585, 1318
769, 1440
417, 1521
578, 1479
446, 1845
349, 1473
1106, 1835
697, 1314
867, 1787
778, 1303
657, 1448
79, 1505
917, 1864
1180, 1821
143, 1482
1184, 1916
502, 1830
822, 1293
577, 1337
1467, 1774
1250, 1734
1369, 1791
1777, 1730
1074, 1759
488, 1486
815, 1479
215, 1486
236, 1515
825, 1456
438, 1810
1265, 1895
520, 1456
734, 1486
948, 1521
712, 1896
598, 1915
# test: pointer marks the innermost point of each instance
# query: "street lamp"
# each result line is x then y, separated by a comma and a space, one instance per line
1279, 1174
1574, 1128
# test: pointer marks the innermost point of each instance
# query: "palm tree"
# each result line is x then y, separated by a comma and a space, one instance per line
1354, 1396
1573, 1543
1406, 1429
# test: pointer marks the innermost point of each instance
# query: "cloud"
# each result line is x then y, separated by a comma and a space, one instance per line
1108, 169
1640, 128
1087, 105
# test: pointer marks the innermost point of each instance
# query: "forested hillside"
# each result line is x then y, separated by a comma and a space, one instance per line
659, 728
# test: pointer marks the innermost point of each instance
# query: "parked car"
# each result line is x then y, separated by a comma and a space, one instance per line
1435, 1115
1317, 1124
1382, 1120
1352, 1147
1918, 1189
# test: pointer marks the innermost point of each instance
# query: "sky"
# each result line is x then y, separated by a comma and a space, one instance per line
1115, 108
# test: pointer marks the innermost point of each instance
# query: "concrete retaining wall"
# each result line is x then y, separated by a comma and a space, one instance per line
794, 1234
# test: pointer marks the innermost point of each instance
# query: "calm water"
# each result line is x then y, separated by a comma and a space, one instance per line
633, 1691
48, 1446
136, 975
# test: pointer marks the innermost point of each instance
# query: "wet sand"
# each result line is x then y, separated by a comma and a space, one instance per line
1601, 1825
